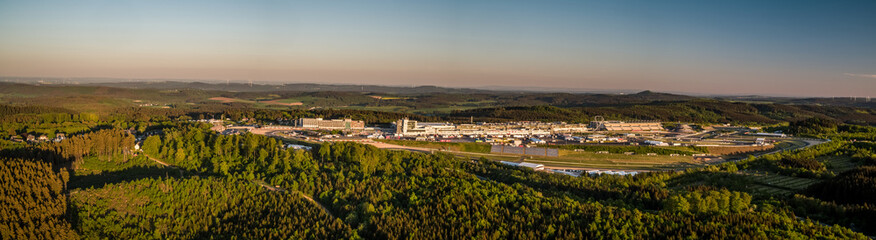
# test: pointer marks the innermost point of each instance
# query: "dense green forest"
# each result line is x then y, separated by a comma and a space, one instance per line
34, 205
96, 184
372, 193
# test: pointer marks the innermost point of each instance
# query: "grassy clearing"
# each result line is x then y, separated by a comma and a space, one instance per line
741, 150
838, 164
662, 150
476, 103
597, 165
401, 109
452, 146
92, 172
389, 97
638, 158
302, 99
566, 158
769, 190
772, 183
404, 109
226, 100
791, 144
599, 161
446, 109
92, 165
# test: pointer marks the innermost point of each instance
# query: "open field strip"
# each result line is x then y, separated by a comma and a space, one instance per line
616, 166
837, 164
228, 100
780, 181
638, 158
567, 158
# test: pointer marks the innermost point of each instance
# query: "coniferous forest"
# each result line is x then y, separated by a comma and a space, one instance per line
104, 181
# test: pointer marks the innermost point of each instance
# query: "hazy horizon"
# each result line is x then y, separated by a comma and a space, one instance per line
808, 48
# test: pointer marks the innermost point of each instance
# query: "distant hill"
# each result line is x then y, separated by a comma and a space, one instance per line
836, 101
529, 96
294, 87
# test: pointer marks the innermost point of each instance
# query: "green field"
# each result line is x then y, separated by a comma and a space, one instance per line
566, 158
594, 160
402, 109
452, 146
446, 109
771, 183
93, 166
303, 99
838, 164
614, 161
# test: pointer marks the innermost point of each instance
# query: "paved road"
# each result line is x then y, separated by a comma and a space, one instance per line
382, 145
163, 163
809, 143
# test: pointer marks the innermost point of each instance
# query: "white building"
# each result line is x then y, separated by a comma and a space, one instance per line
534, 166
656, 143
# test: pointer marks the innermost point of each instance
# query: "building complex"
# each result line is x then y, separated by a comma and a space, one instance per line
626, 126
329, 124
406, 128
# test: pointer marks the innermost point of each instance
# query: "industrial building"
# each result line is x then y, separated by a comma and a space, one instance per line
330, 124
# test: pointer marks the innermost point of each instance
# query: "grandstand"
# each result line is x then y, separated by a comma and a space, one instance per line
601, 125
330, 124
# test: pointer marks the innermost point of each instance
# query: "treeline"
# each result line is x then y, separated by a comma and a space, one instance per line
370, 117
686, 110
857, 186
399, 194
200, 208
7, 110
813, 127
801, 163
696, 111
716, 202
244, 156
453, 146
858, 216
856, 132
374, 194
416, 204
107, 144
632, 192
280, 215
33, 202
527, 113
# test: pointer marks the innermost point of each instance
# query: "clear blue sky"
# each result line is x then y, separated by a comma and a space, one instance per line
791, 48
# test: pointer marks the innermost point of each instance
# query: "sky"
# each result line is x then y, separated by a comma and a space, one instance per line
765, 47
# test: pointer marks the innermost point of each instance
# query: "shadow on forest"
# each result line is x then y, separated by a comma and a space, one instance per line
52, 157
128, 174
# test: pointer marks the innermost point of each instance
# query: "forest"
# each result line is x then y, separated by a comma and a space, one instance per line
385, 105
107, 179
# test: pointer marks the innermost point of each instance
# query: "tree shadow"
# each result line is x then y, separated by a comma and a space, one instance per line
125, 175
51, 157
